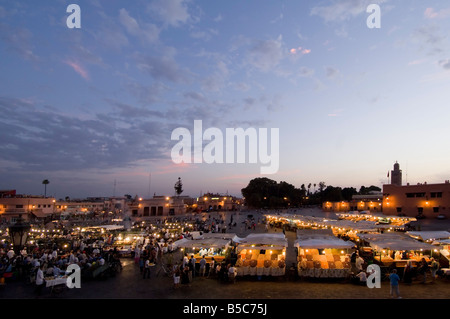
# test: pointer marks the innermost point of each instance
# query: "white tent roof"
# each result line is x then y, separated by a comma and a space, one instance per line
363, 225
273, 240
429, 235
108, 227
202, 243
320, 239
231, 236
394, 241
444, 241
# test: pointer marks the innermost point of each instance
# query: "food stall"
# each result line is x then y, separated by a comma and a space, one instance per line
216, 247
322, 255
395, 222
440, 240
261, 254
396, 249
444, 250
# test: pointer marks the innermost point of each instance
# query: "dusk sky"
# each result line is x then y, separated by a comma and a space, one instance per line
92, 109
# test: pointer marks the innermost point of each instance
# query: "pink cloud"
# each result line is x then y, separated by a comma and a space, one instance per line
300, 50
431, 14
77, 67
174, 168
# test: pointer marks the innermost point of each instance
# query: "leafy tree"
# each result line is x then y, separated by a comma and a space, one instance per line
178, 187
348, 192
366, 190
264, 192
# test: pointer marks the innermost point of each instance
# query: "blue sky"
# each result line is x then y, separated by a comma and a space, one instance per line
95, 107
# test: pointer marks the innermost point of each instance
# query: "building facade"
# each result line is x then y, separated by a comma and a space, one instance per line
158, 206
217, 202
427, 200
371, 202
25, 206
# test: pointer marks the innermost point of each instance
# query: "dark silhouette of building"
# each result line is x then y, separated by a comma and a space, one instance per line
396, 175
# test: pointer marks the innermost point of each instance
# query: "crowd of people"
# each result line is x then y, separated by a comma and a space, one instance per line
188, 269
34, 265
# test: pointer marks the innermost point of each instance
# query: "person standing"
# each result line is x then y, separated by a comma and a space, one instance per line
192, 263
353, 261
359, 263
176, 277
39, 280
434, 269
408, 273
212, 267
137, 254
394, 282
147, 269
423, 270
202, 266
185, 261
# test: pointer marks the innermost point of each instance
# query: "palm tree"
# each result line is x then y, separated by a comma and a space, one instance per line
45, 182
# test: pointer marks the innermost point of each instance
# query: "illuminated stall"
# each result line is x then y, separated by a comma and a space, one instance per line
261, 255
322, 255
395, 249
444, 250
217, 247
439, 239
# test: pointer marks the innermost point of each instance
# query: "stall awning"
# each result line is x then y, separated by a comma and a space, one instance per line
320, 239
274, 241
429, 235
202, 243
394, 242
107, 227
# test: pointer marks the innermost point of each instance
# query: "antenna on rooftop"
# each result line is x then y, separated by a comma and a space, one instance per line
149, 183
406, 172
114, 191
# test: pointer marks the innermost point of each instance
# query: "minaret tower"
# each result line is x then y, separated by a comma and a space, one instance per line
396, 175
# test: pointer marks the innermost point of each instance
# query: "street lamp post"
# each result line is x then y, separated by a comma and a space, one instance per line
19, 234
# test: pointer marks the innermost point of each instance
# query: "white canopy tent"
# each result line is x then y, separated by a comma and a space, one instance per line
320, 239
325, 264
202, 243
395, 241
106, 227
429, 235
273, 240
261, 254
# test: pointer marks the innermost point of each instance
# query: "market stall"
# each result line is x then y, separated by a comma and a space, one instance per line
208, 246
261, 255
429, 236
443, 245
393, 221
322, 255
395, 249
